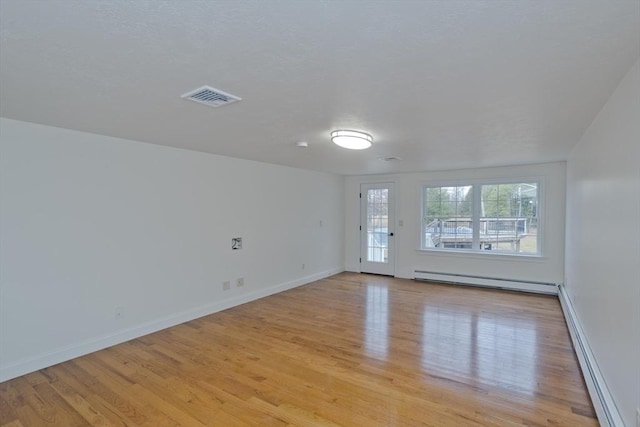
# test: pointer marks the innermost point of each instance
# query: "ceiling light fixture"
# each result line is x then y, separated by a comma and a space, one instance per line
351, 139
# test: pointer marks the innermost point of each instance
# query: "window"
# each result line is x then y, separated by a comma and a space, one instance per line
501, 217
447, 219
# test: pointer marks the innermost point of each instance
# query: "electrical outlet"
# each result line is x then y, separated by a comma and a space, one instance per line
303, 266
240, 281
226, 285
119, 313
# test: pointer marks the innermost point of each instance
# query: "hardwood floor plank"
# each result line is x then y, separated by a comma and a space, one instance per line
102, 395
348, 350
7, 412
74, 399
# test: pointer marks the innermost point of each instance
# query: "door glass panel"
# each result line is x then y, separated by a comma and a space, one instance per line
378, 225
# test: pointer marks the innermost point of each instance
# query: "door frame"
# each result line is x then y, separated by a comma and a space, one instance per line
387, 269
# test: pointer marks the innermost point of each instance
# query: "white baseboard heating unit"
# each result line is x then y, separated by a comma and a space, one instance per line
603, 403
490, 282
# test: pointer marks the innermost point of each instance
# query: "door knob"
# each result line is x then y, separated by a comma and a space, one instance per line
390, 234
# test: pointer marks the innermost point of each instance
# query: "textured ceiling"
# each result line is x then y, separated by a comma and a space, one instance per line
440, 84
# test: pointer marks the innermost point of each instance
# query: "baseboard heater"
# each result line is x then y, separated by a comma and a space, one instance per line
603, 403
489, 282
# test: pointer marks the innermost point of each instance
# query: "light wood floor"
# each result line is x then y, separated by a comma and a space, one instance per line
350, 350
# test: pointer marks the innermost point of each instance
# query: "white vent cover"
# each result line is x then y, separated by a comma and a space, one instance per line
210, 96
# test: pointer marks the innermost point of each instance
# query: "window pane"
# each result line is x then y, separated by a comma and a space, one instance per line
508, 219
377, 225
447, 217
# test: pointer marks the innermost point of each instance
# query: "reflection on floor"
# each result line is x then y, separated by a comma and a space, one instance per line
349, 350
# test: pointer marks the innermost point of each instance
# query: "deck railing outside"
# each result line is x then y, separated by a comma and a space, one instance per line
458, 232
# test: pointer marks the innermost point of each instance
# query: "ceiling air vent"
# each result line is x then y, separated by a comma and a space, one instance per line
210, 96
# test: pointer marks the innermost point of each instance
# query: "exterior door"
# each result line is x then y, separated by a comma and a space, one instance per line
377, 220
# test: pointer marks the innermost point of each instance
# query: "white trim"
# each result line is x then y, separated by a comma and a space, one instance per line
603, 402
388, 268
59, 355
490, 282
477, 183
485, 255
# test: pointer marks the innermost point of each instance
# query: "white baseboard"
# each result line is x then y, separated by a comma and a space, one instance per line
603, 403
59, 355
490, 282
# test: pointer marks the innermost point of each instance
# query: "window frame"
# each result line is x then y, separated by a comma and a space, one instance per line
476, 185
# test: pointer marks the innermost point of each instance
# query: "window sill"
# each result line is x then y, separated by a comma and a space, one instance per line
482, 255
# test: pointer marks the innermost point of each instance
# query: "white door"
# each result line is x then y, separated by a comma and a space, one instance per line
377, 220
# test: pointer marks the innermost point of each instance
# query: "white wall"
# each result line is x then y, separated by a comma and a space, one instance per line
89, 223
547, 268
603, 241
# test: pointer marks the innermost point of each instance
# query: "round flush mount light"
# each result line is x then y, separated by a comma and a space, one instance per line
351, 139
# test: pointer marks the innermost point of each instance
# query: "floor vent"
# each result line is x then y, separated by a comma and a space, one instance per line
210, 96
